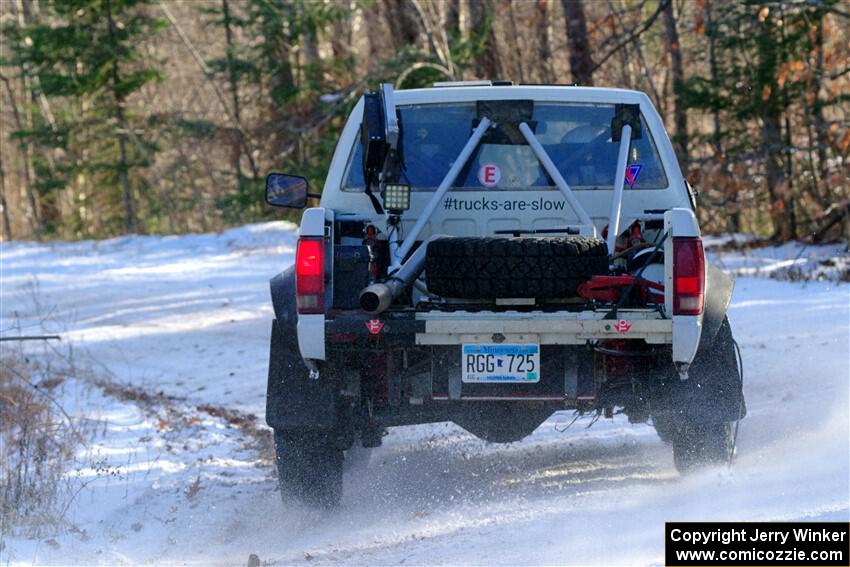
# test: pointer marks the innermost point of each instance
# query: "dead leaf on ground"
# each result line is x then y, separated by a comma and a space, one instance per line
194, 488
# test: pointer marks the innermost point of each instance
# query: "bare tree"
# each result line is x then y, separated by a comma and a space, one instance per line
473, 19
234, 94
121, 134
680, 138
733, 220
404, 21
7, 225
544, 50
581, 62
778, 186
28, 191
23, 13
433, 20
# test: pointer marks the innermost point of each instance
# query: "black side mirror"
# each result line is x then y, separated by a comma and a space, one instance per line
284, 190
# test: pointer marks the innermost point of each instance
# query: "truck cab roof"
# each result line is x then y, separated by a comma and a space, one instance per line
521, 200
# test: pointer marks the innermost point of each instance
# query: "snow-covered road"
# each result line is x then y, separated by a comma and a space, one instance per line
189, 316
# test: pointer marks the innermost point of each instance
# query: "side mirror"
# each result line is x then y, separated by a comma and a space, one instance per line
284, 190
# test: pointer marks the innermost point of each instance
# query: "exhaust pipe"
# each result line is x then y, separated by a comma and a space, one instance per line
377, 297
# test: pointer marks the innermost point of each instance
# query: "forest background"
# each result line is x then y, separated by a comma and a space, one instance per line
142, 116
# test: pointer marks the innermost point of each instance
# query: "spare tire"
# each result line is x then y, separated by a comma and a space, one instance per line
498, 267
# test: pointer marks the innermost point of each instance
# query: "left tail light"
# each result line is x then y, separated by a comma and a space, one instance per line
310, 275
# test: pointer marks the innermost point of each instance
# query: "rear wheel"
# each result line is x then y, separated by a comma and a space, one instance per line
695, 413
309, 465
309, 450
702, 445
664, 428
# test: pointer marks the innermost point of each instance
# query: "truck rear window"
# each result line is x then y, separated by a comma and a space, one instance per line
576, 136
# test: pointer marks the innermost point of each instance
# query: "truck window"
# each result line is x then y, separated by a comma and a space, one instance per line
576, 136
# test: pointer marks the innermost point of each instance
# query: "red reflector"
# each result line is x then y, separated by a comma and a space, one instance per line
688, 276
310, 275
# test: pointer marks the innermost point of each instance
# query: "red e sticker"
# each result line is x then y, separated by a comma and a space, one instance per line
489, 175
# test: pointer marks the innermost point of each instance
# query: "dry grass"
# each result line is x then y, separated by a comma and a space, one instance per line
38, 442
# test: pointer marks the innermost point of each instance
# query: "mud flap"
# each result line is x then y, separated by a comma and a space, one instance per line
712, 393
282, 288
293, 400
718, 294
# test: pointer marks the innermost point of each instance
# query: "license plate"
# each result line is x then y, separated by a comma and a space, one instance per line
500, 363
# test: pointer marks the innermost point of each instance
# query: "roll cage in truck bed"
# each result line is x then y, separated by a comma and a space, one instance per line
401, 310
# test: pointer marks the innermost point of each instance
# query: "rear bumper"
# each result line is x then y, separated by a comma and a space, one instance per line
558, 328
452, 328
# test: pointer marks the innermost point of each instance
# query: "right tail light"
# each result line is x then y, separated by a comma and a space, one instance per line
688, 276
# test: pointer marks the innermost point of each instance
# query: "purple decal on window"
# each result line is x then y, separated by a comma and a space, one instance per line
632, 173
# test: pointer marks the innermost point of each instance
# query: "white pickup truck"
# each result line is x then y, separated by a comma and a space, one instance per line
489, 254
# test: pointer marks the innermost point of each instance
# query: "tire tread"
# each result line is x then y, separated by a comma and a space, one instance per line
494, 267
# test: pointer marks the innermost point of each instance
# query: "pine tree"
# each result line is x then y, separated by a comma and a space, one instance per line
84, 54
281, 68
753, 85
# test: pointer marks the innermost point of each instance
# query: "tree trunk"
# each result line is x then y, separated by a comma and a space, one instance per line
341, 39
123, 166
434, 21
544, 50
360, 43
7, 226
768, 47
377, 31
472, 19
581, 63
309, 40
777, 186
234, 94
405, 24
32, 214
733, 216
121, 136
514, 46
505, 42
449, 15
821, 127
281, 83
680, 137
28, 190
312, 63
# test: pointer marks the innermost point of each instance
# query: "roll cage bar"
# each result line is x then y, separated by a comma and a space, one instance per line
625, 126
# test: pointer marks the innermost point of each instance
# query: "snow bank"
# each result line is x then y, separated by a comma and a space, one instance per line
744, 255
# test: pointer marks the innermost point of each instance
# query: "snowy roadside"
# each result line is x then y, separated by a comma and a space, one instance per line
167, 329
181, 477
745, 255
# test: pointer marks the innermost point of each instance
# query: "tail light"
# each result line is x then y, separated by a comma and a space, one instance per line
688, 276
310, 275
